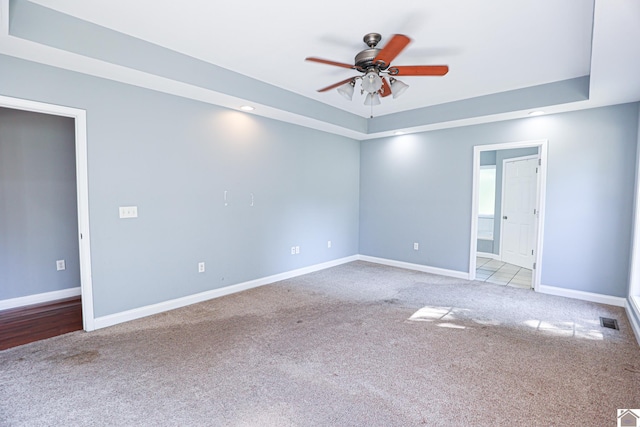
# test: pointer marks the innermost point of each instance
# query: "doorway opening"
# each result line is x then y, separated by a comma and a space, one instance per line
507, 224
82, 192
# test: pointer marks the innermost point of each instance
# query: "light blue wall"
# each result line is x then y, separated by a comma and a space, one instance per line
417, 188
38, 208
487, 158
485, 246
174, 158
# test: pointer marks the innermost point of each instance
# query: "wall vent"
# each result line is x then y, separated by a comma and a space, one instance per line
606, 322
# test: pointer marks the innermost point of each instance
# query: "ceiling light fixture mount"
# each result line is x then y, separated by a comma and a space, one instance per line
374, 64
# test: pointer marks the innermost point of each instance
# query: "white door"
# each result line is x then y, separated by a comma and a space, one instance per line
519, 197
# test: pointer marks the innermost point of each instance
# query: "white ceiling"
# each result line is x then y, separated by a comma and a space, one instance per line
490, 46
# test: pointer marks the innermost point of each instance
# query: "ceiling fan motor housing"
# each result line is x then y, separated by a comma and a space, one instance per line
365, 58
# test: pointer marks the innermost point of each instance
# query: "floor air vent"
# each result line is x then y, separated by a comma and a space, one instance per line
605, 322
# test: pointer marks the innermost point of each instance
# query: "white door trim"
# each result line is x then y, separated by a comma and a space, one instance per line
504, 181
542, 185
80, 118
633, 305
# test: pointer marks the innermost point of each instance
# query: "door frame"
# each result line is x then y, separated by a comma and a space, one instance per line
82, 191
633, 302
504, 181
542, 145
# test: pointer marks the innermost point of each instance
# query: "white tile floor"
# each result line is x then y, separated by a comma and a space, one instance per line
501, 273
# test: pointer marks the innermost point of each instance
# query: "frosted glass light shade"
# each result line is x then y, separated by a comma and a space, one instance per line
372, 99
346, 90
397, 87
371, 82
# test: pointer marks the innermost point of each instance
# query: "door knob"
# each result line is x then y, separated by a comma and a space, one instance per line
504, 217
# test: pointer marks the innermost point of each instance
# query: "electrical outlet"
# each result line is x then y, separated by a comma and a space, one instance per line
60, 265
201, 267
329, 244
128, 211
416, 246
297, 250
293, 250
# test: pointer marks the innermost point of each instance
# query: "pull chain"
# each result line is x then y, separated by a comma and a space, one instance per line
371, 107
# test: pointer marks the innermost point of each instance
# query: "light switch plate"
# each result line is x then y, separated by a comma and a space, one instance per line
60, 265
128, 211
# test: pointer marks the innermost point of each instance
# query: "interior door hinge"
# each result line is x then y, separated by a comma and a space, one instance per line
535, 211
531, 251
539, 162
534, 265
536, 170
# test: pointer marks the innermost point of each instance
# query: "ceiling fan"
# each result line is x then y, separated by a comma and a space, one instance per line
374, 63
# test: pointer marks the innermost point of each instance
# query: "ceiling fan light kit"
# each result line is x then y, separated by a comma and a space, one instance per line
374, 63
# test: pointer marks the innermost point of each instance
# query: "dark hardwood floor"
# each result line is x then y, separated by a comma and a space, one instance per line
23, 325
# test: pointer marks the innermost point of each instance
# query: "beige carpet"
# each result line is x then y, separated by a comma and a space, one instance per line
337, 347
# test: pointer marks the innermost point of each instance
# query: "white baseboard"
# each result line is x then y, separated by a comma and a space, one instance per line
416, 267
581, 295
6, 304
137, 313
633, 313
488, 255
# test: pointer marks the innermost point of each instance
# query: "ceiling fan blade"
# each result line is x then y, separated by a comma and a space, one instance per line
328, 62
419, 70
335, 85
386, 89
392, 49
